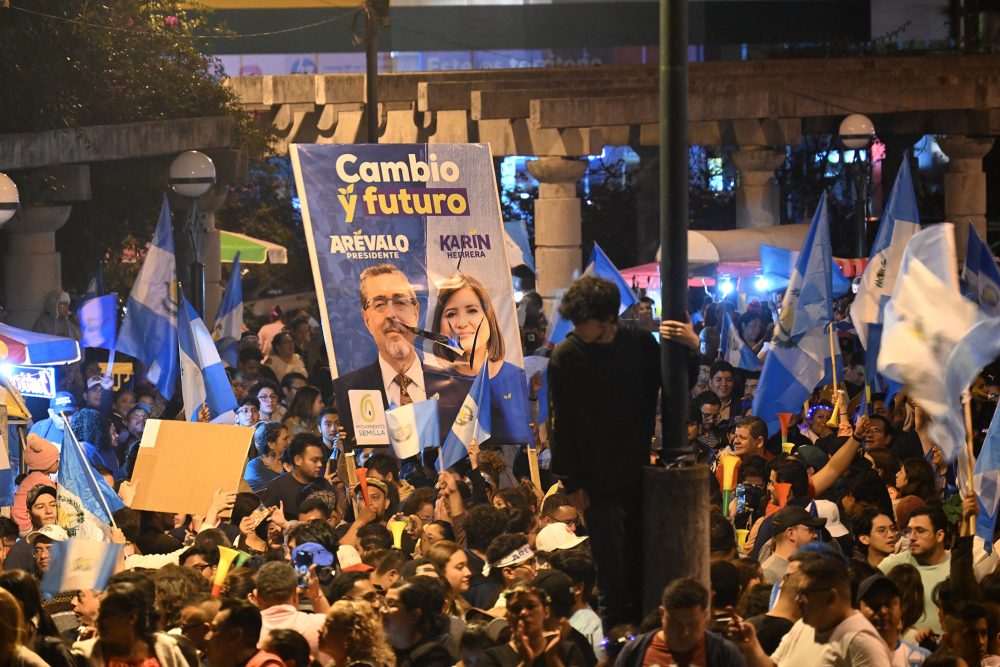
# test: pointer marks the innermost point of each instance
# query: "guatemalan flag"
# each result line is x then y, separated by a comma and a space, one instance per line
472, 422
413, 427
733, 349
981, 274
899, 223
800, 347
204, 383
986, 482
229, 323
85, 501
80, 564
149, 329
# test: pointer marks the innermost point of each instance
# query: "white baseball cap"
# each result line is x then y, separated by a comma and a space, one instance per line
557, 536
52, 531
828, 510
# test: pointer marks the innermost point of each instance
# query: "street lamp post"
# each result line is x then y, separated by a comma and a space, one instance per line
9, 199
192, 174
857, 133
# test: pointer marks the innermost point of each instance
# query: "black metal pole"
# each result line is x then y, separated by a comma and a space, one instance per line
197, 269
371, 70
674, 220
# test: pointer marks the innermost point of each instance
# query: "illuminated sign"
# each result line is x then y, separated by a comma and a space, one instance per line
37, 381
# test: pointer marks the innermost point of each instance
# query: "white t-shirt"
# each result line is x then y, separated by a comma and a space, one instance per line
852, 643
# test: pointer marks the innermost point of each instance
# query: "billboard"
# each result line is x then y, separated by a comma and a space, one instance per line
408, 256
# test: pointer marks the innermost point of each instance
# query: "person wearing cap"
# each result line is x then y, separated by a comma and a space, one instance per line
41, 543
511, 561
830, 632
879, 601
826, 509
277, 596
98, 394
41, 504
52, 428
793, 527
557, 536
41, 458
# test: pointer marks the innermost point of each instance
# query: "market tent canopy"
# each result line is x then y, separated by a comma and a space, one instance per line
18, 346
252, 251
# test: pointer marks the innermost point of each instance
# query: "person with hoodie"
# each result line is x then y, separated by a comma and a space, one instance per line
94, 435
42, 460
55, 318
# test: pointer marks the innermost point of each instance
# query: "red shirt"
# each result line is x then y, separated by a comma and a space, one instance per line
658, 655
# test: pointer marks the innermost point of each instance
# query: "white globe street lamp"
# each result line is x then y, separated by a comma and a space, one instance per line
9, 199
856, 133
192, 174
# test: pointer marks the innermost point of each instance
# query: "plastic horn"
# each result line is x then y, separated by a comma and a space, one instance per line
397, 528
241, 559
834, 419
781, 491
226, 558
741, 539
729, 462
868, 399
363, 482
784, 418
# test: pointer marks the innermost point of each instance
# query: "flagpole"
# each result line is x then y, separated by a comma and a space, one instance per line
90, 469
833, 360
967, 402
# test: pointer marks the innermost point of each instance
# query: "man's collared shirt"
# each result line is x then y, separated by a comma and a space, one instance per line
416, 388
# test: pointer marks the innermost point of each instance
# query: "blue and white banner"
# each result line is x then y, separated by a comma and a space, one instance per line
99, 321
986, 483
80, 564
229, 322
149, 329
84, 500
409, 260
734, 349
205, 385
981, 275
518, 246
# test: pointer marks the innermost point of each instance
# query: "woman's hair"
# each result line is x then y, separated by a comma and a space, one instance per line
362, 624
911, 588
24, 588
239, 584
886, 465
265, 434
495, 346
12, 631
176, 587
288, 645
302, 405
279, 338
418, 499
920, 480
128, 598
440, 553
426, 595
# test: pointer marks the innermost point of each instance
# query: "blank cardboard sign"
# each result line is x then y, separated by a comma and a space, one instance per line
181, 464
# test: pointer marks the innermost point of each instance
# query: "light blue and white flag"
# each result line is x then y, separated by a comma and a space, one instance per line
80, 564
472, 422
734, 349
99, 321
413, 427
515, 236
149, 329
84, 500
800, 347
204, 382
981, 274
923, 322
229, 323
986, 483
598, 265
899, 223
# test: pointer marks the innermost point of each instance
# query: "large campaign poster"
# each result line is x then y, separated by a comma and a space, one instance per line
409, 260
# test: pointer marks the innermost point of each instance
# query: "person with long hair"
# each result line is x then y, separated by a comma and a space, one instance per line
530, 645
415, 624
270, 439
303, 413
911, 602
41, 633
465, 314
453, 563
126, 626
353, 634
916, 478
13, 649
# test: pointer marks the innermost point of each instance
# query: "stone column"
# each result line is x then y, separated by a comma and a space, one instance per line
965, 186
32, 267
557, 224
758, 198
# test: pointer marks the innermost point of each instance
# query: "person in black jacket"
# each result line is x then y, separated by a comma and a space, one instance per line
682, 638
604, 379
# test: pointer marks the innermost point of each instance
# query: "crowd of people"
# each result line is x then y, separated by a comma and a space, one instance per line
851, 545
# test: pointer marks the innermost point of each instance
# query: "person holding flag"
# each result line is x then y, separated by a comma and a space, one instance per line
86, 502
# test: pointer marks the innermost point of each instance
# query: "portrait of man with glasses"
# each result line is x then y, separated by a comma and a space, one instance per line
388, 301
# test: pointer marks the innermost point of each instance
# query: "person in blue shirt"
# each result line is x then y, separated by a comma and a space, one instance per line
50, 429
465, 314
270, 439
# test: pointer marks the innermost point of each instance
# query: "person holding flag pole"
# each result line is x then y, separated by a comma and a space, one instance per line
86, 502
